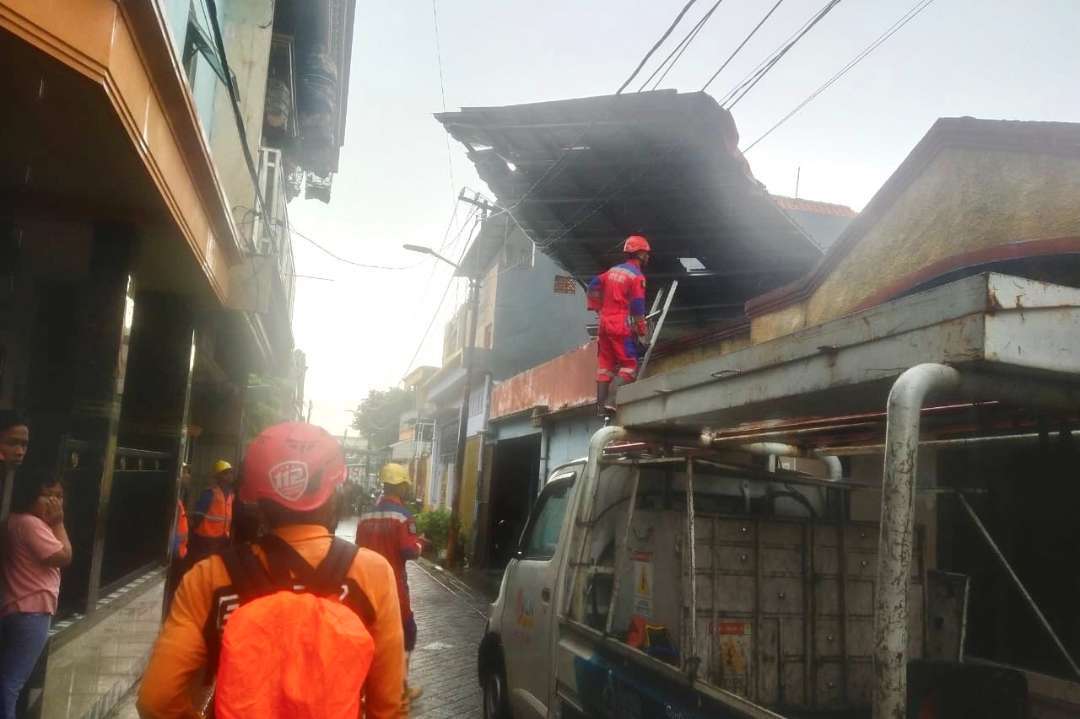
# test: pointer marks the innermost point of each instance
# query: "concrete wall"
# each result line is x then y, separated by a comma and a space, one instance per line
676, 360
533, 323
247, 44
965, 201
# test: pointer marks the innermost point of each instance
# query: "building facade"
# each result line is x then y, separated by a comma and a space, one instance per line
148, 154
529, 311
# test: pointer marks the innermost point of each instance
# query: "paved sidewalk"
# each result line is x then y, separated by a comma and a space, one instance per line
450, 620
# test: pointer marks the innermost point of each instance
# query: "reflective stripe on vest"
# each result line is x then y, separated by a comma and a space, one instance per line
218, 516
181, 530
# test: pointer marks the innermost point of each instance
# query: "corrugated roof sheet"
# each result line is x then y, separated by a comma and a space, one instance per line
580, 175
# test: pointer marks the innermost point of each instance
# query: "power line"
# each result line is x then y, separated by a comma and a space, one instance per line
364, 265
442, 90
761, 65
599, 204
234, 100
347, 261
772, 63
679, 49
656, 46
763, 70
741, 45
557, 164
438, 308
904, 20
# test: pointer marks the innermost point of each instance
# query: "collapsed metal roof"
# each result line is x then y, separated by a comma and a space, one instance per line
580, 175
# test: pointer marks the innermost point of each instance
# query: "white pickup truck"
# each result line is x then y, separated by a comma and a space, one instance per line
683, 572
685, 584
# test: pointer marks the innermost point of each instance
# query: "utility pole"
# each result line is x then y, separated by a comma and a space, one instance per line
473, 310
467, 356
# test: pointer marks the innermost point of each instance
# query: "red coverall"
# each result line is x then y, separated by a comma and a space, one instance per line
389, 529
618, 296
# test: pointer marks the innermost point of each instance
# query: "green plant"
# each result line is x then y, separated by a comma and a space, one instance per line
435, 525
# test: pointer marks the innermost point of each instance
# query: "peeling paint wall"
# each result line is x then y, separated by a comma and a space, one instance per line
567, 381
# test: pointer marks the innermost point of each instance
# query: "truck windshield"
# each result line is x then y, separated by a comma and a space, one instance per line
542, 535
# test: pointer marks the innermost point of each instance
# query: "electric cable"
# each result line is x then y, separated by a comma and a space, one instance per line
344, 260
679, 49
234, 100
442, 89
438, 308
675, 22
907, 17
741, 45
763, 68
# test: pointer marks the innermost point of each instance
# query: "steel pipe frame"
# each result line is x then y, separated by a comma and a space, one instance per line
780, 449
904, 409
855, 450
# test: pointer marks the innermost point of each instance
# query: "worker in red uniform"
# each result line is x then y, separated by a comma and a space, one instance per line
389, 529
618, 297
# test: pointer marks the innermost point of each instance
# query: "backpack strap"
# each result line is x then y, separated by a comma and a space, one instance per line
331, 572
246, 573
285, 565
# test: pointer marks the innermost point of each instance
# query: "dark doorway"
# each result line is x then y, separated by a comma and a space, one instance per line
515, 480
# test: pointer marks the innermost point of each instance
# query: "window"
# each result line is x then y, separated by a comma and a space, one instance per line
542, 535
200, 42
487, 336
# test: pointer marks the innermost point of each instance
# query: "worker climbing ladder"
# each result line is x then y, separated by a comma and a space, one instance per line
655, 318
659, 316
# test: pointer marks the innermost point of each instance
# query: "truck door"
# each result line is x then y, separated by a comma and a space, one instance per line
527, 629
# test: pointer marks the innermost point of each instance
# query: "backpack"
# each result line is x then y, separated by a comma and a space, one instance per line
294, 646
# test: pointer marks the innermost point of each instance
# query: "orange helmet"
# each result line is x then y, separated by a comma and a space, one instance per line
294, 464
636, 243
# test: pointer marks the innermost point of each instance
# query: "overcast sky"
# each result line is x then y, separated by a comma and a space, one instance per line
990, 59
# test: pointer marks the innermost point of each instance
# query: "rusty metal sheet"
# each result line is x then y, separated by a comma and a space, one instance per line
565, 382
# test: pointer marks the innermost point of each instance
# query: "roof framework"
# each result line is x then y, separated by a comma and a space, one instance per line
578, 176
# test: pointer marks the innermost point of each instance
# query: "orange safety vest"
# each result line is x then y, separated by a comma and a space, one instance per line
218, 519
181, 530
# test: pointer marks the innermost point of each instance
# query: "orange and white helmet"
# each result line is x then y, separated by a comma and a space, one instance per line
293, 464
636, 243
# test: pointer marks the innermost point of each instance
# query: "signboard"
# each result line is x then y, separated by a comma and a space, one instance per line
643, 583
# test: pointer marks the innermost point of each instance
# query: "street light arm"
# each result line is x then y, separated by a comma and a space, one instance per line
428, 251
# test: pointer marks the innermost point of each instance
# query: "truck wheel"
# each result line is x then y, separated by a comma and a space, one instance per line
496, 703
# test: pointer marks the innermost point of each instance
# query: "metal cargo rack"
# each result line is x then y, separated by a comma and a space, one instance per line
887, 380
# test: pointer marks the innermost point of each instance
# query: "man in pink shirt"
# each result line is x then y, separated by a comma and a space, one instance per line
36, 547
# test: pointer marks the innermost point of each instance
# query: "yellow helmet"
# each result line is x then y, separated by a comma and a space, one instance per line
221, 466
394, 474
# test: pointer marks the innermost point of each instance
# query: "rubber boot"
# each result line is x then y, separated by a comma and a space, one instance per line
603, 407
